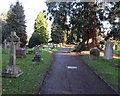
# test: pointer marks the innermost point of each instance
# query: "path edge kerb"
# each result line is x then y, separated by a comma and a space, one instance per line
79, 55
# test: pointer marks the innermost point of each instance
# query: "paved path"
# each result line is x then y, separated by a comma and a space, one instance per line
61, 80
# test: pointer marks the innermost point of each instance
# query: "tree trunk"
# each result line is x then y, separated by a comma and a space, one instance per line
89, 41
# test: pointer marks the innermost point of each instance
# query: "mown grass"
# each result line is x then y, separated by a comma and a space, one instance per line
117, 51
33, 74
105, 69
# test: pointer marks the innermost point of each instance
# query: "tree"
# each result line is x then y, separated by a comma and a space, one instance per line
57, 33
40, 28
34, 40
3, 18
16, 22
82, 21
114, 19
40, 34
89, 25
57, 12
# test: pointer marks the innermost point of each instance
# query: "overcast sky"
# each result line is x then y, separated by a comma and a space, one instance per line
31, 8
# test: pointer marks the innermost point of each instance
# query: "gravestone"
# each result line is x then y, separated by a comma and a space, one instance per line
94, 53
20, 52
5, 46
36, 49
37, 58
12, 70
108, 52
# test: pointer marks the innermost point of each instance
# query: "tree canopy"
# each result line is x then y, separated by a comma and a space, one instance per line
81, 21
16, 22
57, 33
40, 31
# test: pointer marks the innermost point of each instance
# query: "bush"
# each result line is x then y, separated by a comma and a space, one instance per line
34, 40
94, 53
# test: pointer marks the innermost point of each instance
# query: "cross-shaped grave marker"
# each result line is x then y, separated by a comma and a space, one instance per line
12, 70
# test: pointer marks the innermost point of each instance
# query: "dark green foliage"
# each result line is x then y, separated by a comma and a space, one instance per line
78, 20
57, 34
110, 13
16, 22
59, 12
34, 40
3, 18
113, 16
40, 34
40, 28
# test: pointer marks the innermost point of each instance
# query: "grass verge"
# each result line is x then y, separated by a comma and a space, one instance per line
33, 74
105, 69
116, 51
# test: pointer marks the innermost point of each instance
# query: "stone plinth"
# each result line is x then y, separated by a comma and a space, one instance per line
11, 71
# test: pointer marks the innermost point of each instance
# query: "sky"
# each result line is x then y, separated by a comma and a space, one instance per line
31, 10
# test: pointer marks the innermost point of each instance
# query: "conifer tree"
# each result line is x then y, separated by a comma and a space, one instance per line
57, 33
40, 28
16, 22
40, 34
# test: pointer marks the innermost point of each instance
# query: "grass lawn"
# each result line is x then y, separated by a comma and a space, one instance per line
104, 68
33, 74
116, 51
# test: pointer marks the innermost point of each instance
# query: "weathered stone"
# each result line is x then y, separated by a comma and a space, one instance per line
108, 52
5, 46
37, 58
94, 53
12, 70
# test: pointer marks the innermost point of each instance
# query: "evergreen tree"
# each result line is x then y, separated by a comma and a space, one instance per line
16, 22
3, 18
57, 33
34, 40
114, 19
83, 21
40, 28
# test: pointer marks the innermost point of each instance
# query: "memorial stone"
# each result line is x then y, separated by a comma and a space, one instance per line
108, 52
12, 70
94, 53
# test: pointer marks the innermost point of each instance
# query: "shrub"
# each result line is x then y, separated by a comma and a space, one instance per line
34, 40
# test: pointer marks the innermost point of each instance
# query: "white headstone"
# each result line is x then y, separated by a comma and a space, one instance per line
108, 52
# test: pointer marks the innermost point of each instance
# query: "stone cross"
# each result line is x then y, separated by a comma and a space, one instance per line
5, 46
18, 44
108, 52
12, 70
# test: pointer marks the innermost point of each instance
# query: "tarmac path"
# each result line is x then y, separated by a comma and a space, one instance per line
61, 79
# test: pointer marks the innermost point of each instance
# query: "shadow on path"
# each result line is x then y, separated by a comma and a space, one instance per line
69, 75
